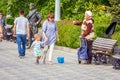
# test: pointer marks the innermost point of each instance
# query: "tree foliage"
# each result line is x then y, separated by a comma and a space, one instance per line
115, 8
3, 6
69, 8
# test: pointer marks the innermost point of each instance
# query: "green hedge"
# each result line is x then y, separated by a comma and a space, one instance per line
68, 34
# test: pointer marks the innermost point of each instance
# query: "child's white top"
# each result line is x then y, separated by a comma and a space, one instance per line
37, 45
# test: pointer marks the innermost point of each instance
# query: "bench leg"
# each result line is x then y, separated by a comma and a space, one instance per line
95, 59
116, 64
109, 59
104, 59
100, 56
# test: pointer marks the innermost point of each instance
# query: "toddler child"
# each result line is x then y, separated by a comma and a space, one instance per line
36, 47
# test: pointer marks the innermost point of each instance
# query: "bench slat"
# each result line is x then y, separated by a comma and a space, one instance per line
100, 52
102, 49
104, 39
105, 42
103, 45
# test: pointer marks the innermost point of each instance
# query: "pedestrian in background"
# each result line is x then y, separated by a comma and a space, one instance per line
21, 30
1, 33
2, 22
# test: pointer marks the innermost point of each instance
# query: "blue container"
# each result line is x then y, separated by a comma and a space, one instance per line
60, 59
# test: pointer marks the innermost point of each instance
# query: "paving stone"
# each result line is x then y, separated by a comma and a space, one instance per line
14, 68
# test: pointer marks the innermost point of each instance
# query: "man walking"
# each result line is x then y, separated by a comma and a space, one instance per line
21, 30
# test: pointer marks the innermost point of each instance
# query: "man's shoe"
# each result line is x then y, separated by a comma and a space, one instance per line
21, 57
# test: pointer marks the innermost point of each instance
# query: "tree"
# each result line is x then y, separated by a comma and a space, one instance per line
115, 8
3, 6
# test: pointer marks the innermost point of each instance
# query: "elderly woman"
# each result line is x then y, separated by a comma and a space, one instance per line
51, 35
87, 32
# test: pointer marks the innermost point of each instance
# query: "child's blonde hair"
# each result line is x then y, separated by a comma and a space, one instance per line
37, 37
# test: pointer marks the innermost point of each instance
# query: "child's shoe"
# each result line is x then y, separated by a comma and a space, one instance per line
37, 62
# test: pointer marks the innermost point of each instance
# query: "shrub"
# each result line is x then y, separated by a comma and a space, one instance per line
115, 8
99, 30
116, 34
68, 34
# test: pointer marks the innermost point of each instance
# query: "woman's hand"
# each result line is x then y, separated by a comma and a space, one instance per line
74, 22
46, 39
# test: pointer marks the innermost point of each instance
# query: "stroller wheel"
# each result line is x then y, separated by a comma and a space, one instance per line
11, 40
14, 41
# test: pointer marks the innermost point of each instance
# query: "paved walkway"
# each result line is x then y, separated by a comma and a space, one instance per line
13, 68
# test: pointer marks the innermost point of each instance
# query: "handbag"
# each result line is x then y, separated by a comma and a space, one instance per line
90, 36
82, 51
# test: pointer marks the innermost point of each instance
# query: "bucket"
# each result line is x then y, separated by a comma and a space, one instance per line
60, 59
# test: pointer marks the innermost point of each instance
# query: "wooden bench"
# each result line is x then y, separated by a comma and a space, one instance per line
101, 49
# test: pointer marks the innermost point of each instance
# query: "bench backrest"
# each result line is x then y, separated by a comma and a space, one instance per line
103, 44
